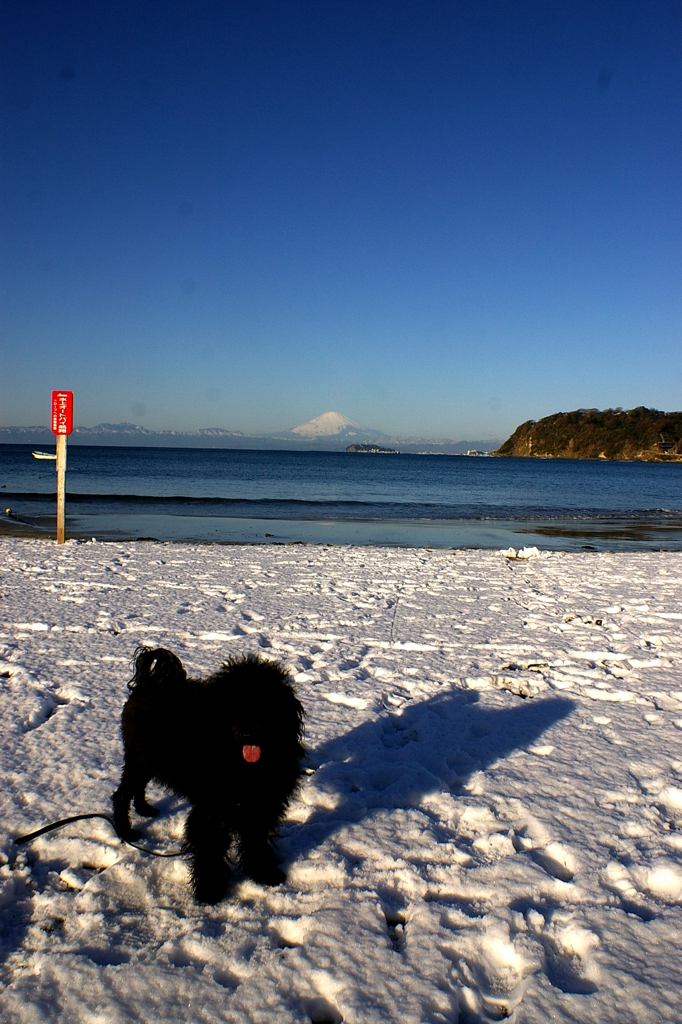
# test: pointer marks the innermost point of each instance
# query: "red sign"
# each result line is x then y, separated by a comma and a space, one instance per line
62, 412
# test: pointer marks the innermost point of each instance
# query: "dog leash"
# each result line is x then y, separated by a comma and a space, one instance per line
53, 826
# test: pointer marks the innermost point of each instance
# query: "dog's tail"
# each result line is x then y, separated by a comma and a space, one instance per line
155, 665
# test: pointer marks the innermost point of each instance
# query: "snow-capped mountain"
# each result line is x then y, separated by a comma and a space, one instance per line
326, 425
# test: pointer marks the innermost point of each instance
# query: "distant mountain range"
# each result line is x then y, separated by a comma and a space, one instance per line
332, 431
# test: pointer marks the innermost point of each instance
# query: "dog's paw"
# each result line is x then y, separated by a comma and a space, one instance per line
265, 874
146, 810
128, 835
209, 890
259, 862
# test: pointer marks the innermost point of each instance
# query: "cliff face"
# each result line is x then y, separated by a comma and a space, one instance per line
639, 434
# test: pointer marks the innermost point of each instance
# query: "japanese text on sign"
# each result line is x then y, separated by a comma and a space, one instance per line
62, 412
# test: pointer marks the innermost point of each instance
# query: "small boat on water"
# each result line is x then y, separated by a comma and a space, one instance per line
43, 455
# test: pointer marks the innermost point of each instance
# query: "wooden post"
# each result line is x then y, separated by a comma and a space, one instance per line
62, 424
61, 485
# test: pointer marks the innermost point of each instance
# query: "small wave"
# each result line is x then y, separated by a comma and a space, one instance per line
340, 510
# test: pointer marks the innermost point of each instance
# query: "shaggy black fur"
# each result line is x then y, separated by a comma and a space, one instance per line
230, 744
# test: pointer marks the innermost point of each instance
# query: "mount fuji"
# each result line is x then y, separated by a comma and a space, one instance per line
326, 425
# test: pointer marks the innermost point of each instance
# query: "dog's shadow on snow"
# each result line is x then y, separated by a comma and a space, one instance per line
397, 759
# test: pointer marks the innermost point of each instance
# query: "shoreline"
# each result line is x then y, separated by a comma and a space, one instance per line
551, 534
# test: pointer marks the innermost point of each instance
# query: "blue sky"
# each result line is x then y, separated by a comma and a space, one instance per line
436, 218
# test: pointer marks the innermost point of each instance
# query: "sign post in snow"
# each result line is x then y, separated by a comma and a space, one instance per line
62, 425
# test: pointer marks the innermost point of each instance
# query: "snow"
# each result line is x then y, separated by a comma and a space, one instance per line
325, 425
490, 826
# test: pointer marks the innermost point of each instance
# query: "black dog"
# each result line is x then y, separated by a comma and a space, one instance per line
230, 744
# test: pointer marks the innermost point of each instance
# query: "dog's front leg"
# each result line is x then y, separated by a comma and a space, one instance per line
121, 801
206, 840
142, 806
258, 859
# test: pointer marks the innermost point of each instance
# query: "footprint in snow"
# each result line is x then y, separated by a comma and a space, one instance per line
289, 932
556, 861
493, 973
320, 1010
636, 886
32, 705
568, 954
396, 924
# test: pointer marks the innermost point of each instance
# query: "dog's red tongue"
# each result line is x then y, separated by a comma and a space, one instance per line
250, 753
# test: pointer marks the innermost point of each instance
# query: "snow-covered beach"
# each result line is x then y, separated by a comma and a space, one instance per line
491, 824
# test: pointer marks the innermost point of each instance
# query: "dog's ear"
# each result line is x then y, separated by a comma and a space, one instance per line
156, 665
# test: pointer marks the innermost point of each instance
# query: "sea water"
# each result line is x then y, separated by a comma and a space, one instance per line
225, 495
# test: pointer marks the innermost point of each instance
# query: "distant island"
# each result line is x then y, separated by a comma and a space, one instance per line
640, 434
372, 449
